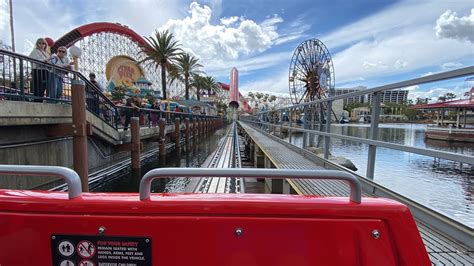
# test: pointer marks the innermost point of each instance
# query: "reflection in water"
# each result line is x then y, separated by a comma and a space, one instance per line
444, 185
194, 157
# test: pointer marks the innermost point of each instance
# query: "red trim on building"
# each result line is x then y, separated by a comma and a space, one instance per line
245, 104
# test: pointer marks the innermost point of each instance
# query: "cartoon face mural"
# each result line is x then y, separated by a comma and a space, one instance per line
124, 74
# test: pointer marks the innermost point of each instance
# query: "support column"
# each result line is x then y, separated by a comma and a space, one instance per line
457, 117
177, 134
252, 151
201, 127
258, 158
274, 186
194, 130
162, 144
374, 134
305, 126
79, 141
327, 139
465, 113
135, 131
290, 119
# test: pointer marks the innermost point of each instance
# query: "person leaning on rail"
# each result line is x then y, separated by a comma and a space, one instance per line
60, 59
93, 98
40, 74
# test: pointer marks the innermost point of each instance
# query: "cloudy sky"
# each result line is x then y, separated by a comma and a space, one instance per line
372, 42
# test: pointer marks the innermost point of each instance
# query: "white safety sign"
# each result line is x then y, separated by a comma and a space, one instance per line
66, 248
86, 249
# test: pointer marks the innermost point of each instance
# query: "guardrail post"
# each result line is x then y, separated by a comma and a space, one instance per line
135, 131
186, 121
162, 146
281, 123
374, 134
22, 81
327, 139
305, 118
290, 118
194, 130
201, 127
79, 140
177, 133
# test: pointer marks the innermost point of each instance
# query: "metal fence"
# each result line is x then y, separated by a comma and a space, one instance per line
151, 117
318, 117
25, 79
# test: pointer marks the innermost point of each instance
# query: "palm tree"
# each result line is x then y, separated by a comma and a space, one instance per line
187, 65
198, 82
161, 50
206, 82
211, 84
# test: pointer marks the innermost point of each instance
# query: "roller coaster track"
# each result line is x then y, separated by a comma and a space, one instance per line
227, 155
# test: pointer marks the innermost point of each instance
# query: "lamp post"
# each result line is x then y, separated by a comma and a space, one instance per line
76, 54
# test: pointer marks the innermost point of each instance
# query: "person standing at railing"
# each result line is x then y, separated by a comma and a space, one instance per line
60, 59
40, 74
133, 110
92, 99
155, 115
94, 81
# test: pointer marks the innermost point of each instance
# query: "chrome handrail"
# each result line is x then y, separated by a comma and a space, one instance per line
70, 176
145, 183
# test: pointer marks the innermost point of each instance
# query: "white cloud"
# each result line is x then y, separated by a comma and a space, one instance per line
449, 25
276, 84
434, 93
397, 19
384, 45
451, 65
295, 30
246, 66
4, 16
230, 40
400, 64
428, 74
141, 16
411, 88
229, 21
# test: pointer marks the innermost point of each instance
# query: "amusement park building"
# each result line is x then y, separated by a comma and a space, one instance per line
394, 96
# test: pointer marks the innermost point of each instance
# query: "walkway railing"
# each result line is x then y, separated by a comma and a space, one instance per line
25, 79
313, 117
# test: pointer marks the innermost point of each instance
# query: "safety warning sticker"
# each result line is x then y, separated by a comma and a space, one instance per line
72, 250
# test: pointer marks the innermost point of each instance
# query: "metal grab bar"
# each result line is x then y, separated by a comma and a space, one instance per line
72, 178
145, 183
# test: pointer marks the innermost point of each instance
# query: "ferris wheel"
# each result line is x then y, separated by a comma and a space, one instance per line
311, 74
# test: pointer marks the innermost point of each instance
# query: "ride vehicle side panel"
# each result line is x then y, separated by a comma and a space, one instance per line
216, 229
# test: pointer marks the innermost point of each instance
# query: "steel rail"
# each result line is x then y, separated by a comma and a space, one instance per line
416, 150
457, 73
72, 178
145, 183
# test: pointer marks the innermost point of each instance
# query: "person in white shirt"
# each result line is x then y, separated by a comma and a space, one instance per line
60, 59
40, 74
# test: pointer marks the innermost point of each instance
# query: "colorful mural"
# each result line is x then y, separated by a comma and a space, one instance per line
125, 78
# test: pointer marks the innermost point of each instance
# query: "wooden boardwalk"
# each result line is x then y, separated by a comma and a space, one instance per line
441, 249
